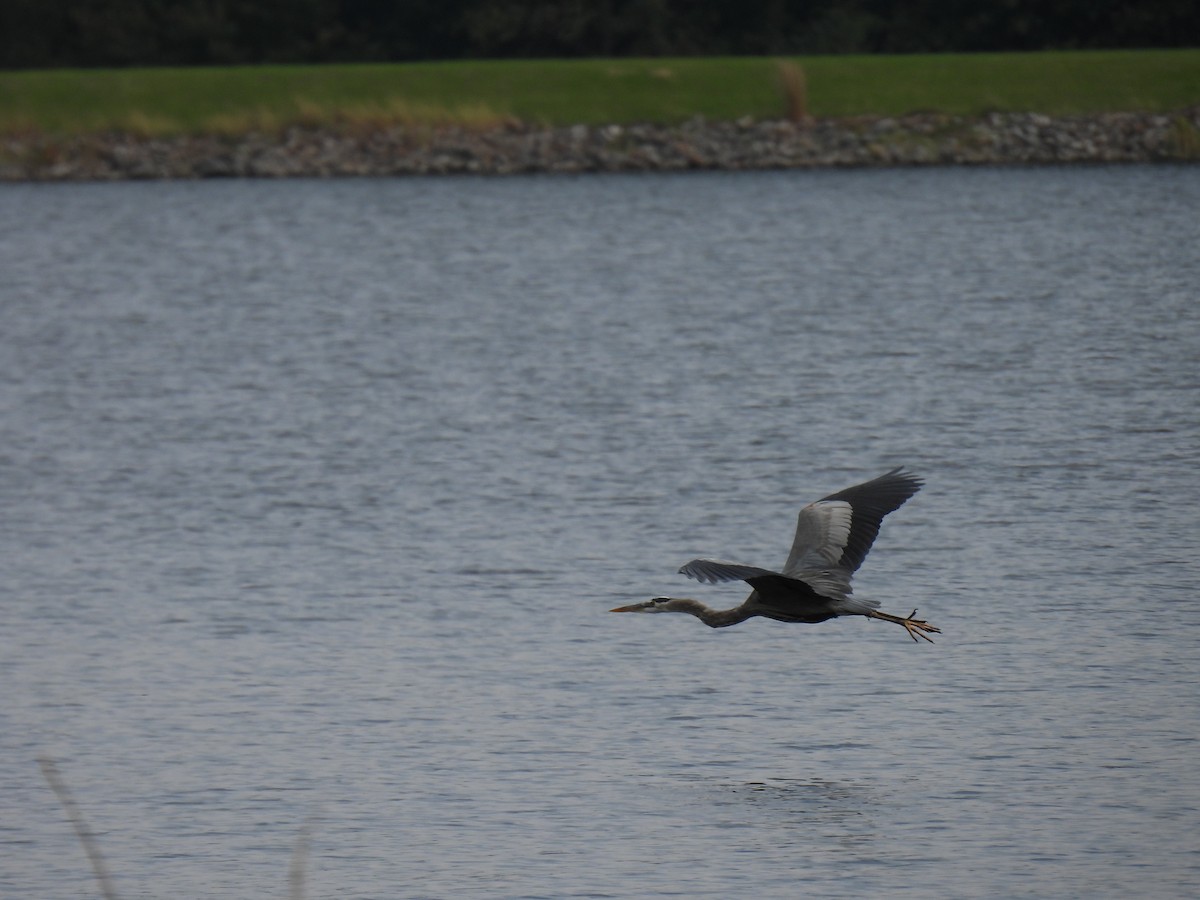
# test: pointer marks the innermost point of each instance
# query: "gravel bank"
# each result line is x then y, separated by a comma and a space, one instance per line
922, 139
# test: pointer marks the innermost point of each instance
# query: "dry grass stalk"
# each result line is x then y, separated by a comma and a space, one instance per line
90, 845
794, 86
299, 864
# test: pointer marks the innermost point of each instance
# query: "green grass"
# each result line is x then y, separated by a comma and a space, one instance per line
558, 92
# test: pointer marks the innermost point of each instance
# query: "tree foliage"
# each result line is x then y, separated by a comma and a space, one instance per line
70, 33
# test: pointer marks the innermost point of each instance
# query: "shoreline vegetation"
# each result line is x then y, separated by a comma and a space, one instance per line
573, 116
745, 145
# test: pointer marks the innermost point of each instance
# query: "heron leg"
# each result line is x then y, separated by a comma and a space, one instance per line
916, 628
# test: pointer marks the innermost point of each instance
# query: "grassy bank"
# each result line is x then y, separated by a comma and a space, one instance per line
555, 92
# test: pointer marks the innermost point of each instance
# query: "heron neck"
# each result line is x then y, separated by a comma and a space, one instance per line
714, 618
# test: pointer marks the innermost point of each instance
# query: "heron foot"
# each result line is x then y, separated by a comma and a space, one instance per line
916, 628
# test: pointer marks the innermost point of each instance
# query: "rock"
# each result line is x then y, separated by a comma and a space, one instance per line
919, 139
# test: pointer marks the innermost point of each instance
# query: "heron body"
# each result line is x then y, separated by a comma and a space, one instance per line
833, 537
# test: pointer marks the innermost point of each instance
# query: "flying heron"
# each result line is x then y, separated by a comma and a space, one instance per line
833, 537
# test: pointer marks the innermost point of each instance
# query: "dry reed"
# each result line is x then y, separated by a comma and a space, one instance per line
90, 845
793, 84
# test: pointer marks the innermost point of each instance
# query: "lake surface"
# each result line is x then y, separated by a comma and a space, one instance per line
316, 495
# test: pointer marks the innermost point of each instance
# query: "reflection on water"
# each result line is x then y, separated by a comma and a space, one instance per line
842, 809
317, 495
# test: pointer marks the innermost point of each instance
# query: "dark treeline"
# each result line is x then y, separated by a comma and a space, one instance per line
69, 33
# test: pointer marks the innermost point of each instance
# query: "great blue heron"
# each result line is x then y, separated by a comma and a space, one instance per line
833, 537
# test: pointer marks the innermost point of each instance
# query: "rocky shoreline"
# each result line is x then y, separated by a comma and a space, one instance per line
913, 140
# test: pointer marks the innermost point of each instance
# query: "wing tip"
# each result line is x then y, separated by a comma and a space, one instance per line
718, 571
697, 570
903, 473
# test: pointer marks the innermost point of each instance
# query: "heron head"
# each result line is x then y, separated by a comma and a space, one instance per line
658, 604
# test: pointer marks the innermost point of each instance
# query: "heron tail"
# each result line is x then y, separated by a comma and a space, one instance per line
856, 606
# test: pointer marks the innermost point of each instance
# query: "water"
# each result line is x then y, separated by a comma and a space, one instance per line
316, 495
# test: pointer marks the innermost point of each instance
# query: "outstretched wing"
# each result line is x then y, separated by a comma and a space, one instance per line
776, 588
836, 532
766, 582
833, 537
713, 571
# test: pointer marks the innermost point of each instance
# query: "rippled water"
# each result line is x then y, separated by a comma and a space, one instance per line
315, 496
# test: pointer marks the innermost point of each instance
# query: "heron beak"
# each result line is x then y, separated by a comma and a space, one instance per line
636, 607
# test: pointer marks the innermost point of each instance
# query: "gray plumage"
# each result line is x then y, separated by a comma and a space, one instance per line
833, 536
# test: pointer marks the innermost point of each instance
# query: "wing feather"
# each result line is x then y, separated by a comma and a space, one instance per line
833, 537
838, 531
711, 571
714, 571
831, 584
822, 532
